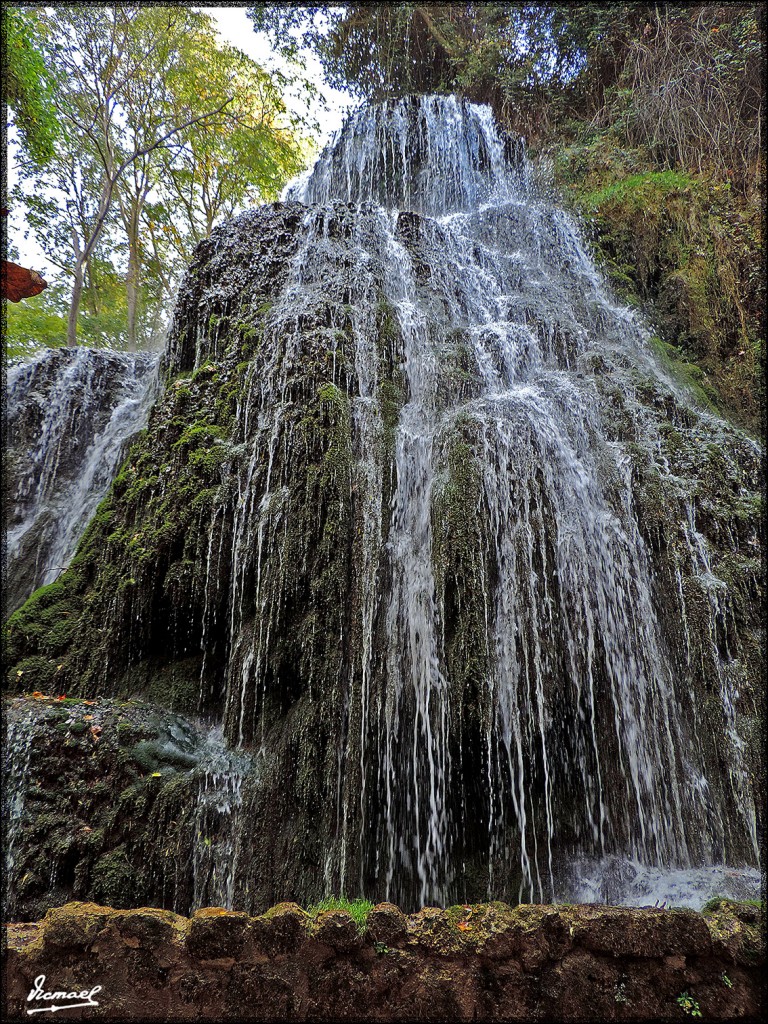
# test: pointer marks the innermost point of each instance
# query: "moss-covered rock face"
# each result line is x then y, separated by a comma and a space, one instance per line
100, 803
686, 247
422, 522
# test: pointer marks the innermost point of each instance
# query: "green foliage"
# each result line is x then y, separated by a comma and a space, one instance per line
685, 81
164, 132
358, 909
380, 50
242, 157
41, 321
34, 324
637, 189
688, 1005
681, 246
28, 83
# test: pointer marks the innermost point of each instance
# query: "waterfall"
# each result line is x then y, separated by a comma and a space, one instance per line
69, 416
582, 743
466, 582
217, 825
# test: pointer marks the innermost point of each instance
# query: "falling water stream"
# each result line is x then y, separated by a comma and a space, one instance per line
585, 748
69, 414
505, 711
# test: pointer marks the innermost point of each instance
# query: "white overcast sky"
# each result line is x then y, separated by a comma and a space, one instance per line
235, 28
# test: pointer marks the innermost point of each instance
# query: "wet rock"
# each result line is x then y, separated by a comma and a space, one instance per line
89, 820
58, 472
282, 929
337, 929
74, 926
215, 933
737, 931
149, 928
153, 965
386, 924
641, 933
359, 422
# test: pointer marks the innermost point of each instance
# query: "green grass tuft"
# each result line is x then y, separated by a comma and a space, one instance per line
357, 909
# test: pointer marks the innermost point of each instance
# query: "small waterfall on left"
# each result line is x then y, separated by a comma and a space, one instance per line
69, 415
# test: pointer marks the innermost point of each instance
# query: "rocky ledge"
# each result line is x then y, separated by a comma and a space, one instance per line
487, 962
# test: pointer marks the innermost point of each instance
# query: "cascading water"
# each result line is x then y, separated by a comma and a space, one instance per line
17, 748
218, 831
473, 581
69, 416
584, 746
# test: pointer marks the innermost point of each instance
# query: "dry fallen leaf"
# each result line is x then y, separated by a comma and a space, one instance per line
87, 718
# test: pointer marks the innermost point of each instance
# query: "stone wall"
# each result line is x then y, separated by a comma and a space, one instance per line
482, 963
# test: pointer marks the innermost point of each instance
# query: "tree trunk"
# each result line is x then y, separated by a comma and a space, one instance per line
132, 279
74, 306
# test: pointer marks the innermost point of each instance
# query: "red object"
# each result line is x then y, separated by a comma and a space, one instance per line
19, 283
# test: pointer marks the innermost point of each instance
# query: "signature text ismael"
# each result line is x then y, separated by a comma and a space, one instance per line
69, 999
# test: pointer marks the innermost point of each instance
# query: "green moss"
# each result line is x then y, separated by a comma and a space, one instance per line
638, 189
206, 369
388, 333
155, 515
688, 374
723, 903
459, 552
175, 686
682, 247
114, 880
32, 673
127, 733
207, 462
199, 433
332, 396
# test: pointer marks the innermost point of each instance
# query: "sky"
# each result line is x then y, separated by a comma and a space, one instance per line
234, 28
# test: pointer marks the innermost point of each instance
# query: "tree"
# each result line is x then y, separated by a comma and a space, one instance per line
241, 158
99, 53
161, 127
375, 50
28, 85
685, 79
